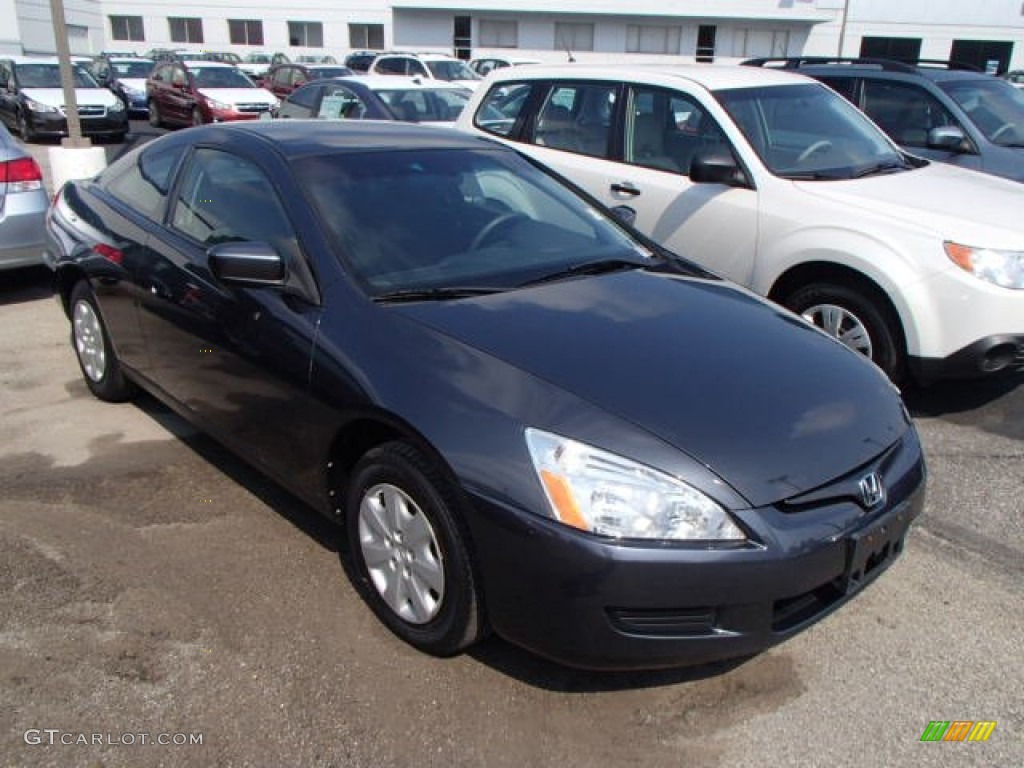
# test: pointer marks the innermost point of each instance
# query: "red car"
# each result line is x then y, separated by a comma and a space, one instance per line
282, 79
197, 92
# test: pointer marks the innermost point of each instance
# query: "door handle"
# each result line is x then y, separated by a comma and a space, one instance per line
626, 188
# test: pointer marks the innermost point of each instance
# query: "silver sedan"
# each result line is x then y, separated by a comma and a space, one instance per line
23, 204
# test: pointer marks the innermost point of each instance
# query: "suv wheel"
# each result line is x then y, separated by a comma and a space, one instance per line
27, 134
855, 318
197, 116
154, 114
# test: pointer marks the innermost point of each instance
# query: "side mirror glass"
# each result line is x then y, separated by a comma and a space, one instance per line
948, 137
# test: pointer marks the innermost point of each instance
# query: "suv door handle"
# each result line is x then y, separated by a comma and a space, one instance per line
626, 188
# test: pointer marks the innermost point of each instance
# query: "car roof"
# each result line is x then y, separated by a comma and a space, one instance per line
301, 138
126, 59
713, 77
897, 70
36, 59
388, 82
207, 64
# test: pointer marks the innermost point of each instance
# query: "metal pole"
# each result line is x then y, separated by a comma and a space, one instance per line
67, 80
842, 28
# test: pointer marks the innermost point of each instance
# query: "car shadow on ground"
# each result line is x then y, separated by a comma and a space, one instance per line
959, 396
27, 284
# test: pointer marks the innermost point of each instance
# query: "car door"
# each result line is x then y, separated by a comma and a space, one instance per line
632, 147
236, 359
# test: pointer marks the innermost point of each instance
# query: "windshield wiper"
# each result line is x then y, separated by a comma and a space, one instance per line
884, 167
437, 294
811, 176
596, 267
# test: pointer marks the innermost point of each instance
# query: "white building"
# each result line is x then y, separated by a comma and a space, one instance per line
605, 31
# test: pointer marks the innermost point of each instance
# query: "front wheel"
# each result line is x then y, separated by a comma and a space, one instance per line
197, 116
96, 357
408, 553
25, 128
857, 319
154, 115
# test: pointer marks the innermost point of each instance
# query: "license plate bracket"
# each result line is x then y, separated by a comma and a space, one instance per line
872, 548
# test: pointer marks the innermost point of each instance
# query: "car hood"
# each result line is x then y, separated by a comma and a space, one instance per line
948, 202
240, 95
771, 405
54, 97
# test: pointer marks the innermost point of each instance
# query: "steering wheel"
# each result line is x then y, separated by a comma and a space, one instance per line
822, 145
492, 226
1002, 129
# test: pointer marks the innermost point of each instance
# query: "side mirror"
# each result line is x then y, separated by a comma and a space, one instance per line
948, 137
714, 165
249, 265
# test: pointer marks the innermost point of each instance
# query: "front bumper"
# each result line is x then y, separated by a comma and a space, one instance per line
55, 124
992, 355
595, 603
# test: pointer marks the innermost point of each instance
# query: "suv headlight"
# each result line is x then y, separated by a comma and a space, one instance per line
603, 493
35, 106
1005, 268
214, 104
117, 106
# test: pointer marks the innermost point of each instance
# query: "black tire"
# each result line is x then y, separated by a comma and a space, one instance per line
888, 349
458, 621
102, 373
25, 129
197, 116
154, 115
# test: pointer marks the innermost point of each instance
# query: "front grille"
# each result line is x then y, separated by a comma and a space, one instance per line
253, 108
91, 110
668, 622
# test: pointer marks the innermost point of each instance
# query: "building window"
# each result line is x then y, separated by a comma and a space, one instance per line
645, 39
706, 34
499, 34
245, 31
309, 34
185, 30
898, 48
366, 36
126, 28
574, 37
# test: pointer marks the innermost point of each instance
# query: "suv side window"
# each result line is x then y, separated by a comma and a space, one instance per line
577, 117
844, 86
904, 111
225, 198
393, 66
502, 107
664, 129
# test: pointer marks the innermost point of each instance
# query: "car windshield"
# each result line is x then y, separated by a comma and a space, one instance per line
451, 70
445, 219
258, 58
220, 77
807, 131
48, 76
425, 104
136, 69
319, 73
995, 106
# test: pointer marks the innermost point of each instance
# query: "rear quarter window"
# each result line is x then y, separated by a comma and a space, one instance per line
502, 107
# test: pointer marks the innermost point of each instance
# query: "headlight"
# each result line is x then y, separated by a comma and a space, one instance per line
1005, 268
35, 106
213, 104
597, 491
132, 93
117, 106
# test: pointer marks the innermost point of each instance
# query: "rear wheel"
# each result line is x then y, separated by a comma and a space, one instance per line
197, 116
858, 319
96, 357
408, 552
154, 115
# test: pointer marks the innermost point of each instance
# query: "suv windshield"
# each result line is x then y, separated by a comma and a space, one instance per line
469, 220
995, 106
48, 76
451, 70
807, 131
220, 77
137, 69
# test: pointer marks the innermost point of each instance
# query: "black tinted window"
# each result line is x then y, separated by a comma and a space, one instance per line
144, 185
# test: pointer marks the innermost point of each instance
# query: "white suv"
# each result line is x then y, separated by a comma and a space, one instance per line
432, 66
773, 180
